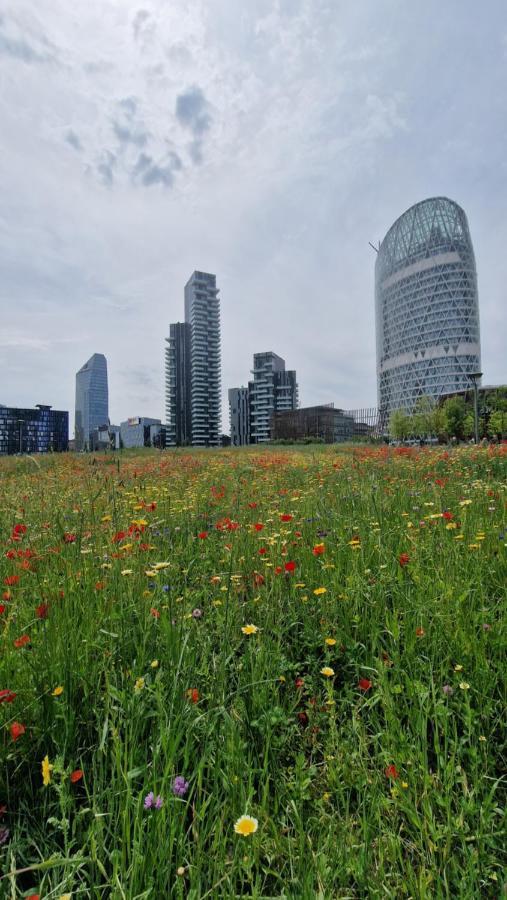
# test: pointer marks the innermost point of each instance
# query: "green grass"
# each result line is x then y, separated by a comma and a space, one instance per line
308, 756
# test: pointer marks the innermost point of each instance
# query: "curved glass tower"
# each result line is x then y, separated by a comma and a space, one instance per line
426, 306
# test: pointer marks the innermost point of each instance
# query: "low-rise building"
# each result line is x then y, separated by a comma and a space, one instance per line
323, 423
141, 431
36, 430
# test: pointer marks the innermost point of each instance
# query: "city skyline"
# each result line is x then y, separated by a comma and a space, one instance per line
276, 178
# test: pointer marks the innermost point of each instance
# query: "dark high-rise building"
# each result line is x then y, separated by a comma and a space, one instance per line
273, 390
239, 416
92, 400
202, 313
33, 430
426, 306
178, 385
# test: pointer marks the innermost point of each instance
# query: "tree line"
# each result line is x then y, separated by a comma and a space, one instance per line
453, 418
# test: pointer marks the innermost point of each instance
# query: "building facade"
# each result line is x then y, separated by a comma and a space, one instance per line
92, 400
323, 423
178, 385
141, 431
426, 306
273, 389
36, 430
239, 416
202, 313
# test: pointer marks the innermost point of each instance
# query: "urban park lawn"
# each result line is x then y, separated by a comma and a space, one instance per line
253, 673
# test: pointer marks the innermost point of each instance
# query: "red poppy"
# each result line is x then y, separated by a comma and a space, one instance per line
42, 610
202, 535
76, 775
33, 897
299, 682
258, 526
22, 641
303, 718
2, 608
297, 533
364, 684
11, 579
7, 696
6, 595
258, 579
278, 570
318, 550
290, 566
391, 772
119, 536
17, 730
155, 613
403, 559
11, 554
286, 517
99, 585
420, 632
252, 506
18, 531
69, 538
151, 506
262, 551
193, 695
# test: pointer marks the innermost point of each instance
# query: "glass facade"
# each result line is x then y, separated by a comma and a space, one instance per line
273, 390
178, 385
202, 314
426, 306
33, 430
92, 403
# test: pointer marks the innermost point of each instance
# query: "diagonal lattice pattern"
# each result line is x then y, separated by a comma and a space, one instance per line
426, 306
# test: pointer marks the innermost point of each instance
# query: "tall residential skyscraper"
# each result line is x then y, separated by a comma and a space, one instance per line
272, 390
426, 306
178, 385
202, 313
239, 416
92, 404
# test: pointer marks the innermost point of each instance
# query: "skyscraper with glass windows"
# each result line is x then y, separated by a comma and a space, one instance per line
178, 385
274, 389
92, 400
202, 314
426, 306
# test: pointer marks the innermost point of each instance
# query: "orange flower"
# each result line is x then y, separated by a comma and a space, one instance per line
318, 550
22, 641
193, 695
76, 775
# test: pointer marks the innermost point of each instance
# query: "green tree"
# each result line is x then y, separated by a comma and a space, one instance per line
399, 425
423, 418
455, 413
469, 425
497, 425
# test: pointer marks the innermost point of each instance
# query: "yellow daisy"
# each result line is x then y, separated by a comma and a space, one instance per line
246, 825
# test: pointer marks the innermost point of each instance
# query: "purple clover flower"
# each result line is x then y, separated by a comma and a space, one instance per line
180, 786
486, 626
448, 690
159, 802
148, 800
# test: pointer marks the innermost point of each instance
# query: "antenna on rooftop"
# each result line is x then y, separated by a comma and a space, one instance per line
373, 247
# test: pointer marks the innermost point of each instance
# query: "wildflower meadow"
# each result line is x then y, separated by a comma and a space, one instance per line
253, 673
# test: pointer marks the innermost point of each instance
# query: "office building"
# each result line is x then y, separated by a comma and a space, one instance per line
141, 431
324, 423
273, 389
36, 430
239, 416
178, 386
426, 306
92, 404
202, 313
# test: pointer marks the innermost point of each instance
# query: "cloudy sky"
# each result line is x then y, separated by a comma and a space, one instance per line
266, 141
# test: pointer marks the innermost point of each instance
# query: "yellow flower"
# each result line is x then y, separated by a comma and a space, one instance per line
65, 896
458, 668
464, 685
139, 685
327, 671
320, 590
46, 769
330, 642
246, 825
482, 738
154, 664
57, 691
249, 629
162, 565
126, 571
